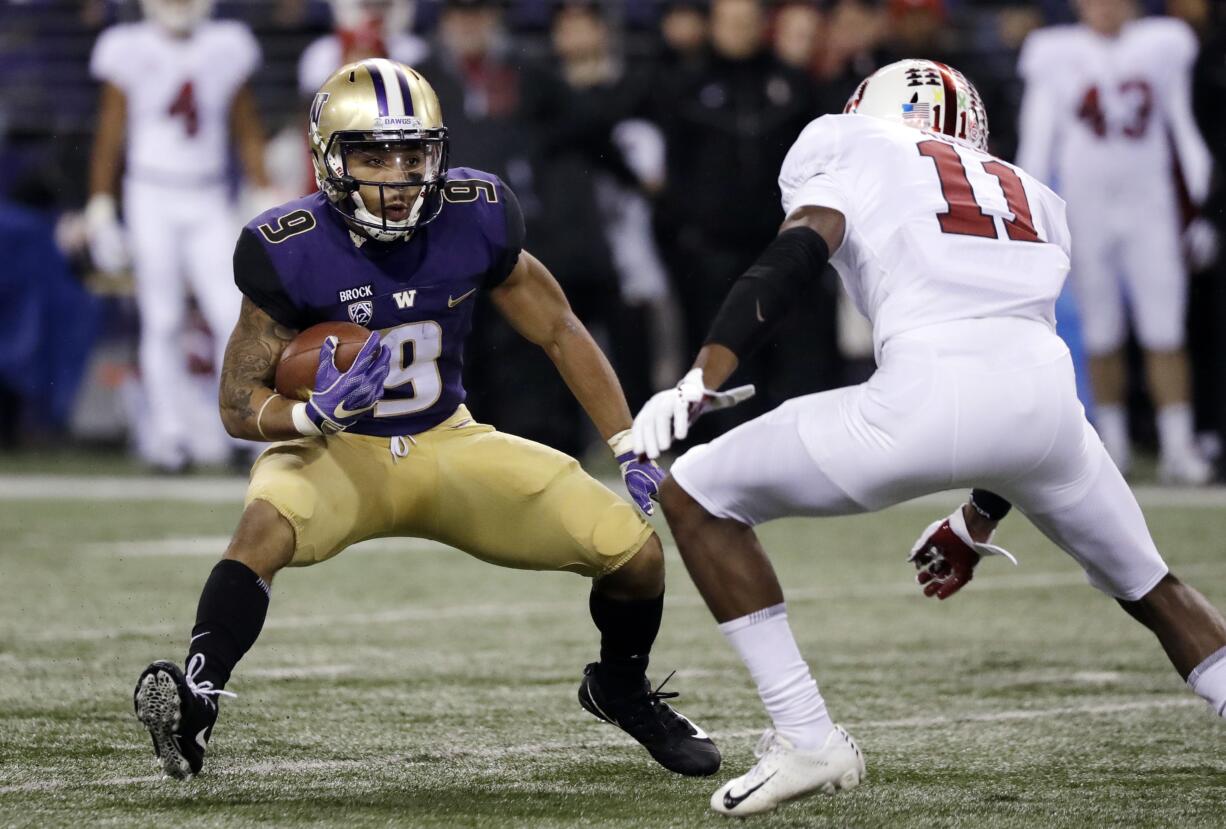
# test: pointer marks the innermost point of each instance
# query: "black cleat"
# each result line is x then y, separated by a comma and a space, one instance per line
179, 714
674, 741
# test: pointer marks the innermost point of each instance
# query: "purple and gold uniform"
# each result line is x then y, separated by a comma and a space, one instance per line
419, 465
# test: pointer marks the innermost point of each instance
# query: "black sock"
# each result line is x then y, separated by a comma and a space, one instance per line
229, 618
627, 631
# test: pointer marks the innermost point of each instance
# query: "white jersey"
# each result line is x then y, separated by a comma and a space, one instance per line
936, 231
179, 93
1098, 111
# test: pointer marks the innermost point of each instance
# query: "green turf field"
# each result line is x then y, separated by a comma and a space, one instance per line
404, 684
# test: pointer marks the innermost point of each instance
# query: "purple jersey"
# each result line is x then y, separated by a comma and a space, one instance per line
301, 265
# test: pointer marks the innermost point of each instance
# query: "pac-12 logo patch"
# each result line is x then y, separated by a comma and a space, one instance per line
361, 312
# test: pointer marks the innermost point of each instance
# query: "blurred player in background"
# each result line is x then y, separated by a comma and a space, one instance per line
175, 93
363, 29
1106, 118
957, 259
397, 241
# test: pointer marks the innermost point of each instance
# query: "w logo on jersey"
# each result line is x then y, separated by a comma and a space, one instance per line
361, 312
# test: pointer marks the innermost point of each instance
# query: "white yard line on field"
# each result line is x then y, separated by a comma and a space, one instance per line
611, 738
214, 545
424, 613
219, 490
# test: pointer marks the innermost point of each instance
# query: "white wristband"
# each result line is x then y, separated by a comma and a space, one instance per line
302, 421
622, 442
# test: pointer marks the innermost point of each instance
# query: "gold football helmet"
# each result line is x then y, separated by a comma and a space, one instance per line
379, 106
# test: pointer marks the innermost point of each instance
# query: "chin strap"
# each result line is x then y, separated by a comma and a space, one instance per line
375, 226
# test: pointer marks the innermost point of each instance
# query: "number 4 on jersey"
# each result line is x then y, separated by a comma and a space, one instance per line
184, 106
965, 217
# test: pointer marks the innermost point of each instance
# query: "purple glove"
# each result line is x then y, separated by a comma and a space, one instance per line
641, 475
341, 397
642, 479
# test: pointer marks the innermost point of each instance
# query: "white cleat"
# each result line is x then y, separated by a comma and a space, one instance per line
1184, 469
784, 773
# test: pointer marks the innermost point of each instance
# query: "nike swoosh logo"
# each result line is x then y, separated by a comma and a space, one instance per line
201, 739
451, 303
698, 732
341, 412
731, 802
758, 304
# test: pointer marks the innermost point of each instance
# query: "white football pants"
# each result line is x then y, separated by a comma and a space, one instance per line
984, 403
1128, 257
182, 237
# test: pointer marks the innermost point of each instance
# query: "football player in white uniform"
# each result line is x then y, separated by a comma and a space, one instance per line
956, 258
363, 29
1107, 102
175, 92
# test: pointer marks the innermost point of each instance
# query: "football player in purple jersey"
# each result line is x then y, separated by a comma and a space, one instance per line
397, 241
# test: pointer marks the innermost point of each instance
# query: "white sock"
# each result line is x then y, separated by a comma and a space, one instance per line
766, 646
1175, 430
1111, 421
1208, 681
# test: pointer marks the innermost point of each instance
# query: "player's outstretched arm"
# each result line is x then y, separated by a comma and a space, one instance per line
533, 302
759, 299
250, 408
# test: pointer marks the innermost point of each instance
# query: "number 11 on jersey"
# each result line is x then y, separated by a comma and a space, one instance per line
965, 216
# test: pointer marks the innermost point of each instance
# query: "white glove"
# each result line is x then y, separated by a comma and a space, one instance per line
1201, 242
668, 414
108, 244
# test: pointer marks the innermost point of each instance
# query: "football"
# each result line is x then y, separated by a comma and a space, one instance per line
300, 360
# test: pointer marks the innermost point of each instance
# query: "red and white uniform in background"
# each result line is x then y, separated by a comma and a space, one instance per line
1106, 120
956, 258
180, 217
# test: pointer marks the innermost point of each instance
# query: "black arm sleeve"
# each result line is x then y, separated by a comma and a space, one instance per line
990, 505
764, 294
505, 263
257, 278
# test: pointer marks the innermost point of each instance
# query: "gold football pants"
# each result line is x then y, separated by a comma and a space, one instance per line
497, 497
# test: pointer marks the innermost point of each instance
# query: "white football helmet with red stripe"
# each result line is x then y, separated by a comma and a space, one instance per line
927, 95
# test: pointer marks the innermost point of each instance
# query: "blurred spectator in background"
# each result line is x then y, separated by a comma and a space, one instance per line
683, 30
600, 160
1207, 305
496, 106
795, 29
849, 52
728, 124
921, 28
175, 92
1105, 101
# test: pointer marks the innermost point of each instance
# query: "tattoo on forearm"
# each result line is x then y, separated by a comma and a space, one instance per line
251, 359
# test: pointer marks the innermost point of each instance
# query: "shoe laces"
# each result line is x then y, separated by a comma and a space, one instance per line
655, 709
203, 690
767, 743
